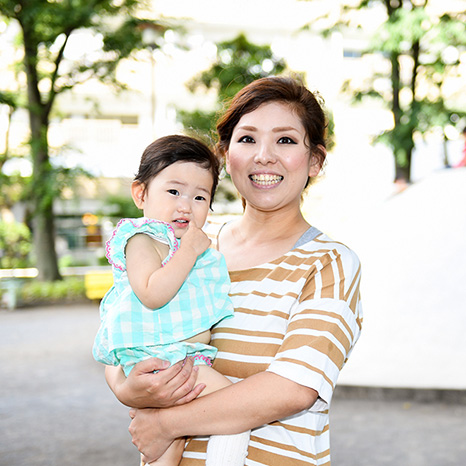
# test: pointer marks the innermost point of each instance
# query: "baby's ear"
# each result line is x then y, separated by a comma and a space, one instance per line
137, 193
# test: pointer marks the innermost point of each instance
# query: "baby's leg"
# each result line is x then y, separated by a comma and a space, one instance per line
171, 457
213, 380
222, 450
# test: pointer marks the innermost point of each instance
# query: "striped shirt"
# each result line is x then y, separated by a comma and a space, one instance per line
297, 316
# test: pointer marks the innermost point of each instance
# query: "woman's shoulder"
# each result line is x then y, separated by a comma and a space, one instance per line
321, 244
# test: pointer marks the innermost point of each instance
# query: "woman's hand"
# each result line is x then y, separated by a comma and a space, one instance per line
147, 433
145, 388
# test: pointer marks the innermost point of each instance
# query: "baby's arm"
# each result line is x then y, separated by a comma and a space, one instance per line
153, 284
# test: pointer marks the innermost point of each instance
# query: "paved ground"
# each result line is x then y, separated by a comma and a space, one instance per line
56, 410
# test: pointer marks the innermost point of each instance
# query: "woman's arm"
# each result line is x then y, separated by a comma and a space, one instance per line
257, 400
145, 388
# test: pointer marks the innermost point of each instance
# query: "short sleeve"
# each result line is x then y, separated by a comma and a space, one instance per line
323, 327
127, 228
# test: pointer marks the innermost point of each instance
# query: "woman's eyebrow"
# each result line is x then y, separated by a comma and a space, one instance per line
280, 129
247, 128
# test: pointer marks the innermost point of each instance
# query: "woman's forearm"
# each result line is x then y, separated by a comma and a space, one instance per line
152, 383
255, 401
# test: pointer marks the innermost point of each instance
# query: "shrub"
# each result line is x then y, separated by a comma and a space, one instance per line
67, 290
15, 245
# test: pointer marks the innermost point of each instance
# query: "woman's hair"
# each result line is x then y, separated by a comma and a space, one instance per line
285, 90
168, 150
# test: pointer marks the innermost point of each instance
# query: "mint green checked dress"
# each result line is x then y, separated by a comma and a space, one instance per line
130, 332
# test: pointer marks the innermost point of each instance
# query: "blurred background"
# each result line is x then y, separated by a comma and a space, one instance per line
86, 86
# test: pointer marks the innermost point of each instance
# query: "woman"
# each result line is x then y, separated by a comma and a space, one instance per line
295, 293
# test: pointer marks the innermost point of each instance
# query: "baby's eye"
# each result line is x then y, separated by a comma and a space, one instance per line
246, 139
200, 198
174, 192
286, 140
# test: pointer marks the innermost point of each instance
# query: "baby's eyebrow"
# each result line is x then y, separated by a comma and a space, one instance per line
201, 188
180, 183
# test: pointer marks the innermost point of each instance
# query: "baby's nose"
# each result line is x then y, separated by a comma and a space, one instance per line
184, 206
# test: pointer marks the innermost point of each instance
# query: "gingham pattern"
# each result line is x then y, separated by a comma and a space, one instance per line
201, 302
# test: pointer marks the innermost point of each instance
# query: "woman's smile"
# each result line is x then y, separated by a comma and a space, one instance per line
265, 179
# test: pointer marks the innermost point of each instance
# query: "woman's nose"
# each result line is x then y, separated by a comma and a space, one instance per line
265, 154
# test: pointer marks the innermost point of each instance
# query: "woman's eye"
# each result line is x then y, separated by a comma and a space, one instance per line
246, 139
286, 140
175, 192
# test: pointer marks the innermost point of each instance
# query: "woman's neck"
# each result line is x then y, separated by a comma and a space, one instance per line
260, 237
267, 226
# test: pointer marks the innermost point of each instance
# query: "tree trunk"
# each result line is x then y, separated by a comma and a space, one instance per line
403, 168
44, 246
43, 219
402, 159
41, 198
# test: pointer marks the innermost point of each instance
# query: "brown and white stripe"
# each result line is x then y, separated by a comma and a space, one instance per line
298, 316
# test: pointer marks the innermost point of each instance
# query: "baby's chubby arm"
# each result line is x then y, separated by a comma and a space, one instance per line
153, 284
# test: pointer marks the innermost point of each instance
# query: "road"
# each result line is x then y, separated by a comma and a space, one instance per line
56, 410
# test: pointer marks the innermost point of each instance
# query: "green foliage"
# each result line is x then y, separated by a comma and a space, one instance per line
122, 207
69, 289
403, 28
15, 245
10, 185
199, 124
423, 47
238, 63
8, 98
11, 188
46, 27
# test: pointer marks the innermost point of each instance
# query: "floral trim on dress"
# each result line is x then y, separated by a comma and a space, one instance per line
127, 228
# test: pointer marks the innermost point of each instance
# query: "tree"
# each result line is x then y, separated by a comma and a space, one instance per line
15, 245
238, 63
45, 29
423, 49
10, 189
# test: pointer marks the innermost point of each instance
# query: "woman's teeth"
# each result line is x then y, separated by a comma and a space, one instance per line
266, 179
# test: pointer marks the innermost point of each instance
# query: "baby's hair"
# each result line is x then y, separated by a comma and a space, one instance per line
168, 150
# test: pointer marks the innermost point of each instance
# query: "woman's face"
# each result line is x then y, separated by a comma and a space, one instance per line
267, 158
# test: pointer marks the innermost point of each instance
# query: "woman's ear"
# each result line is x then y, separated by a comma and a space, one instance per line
317, 161
137, 193
227, 163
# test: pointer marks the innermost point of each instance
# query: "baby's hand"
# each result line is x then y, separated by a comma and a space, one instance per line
195, 238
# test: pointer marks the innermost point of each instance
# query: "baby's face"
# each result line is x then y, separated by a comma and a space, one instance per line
178, 195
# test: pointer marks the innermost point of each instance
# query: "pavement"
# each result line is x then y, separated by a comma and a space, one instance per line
401, 398
56, 409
